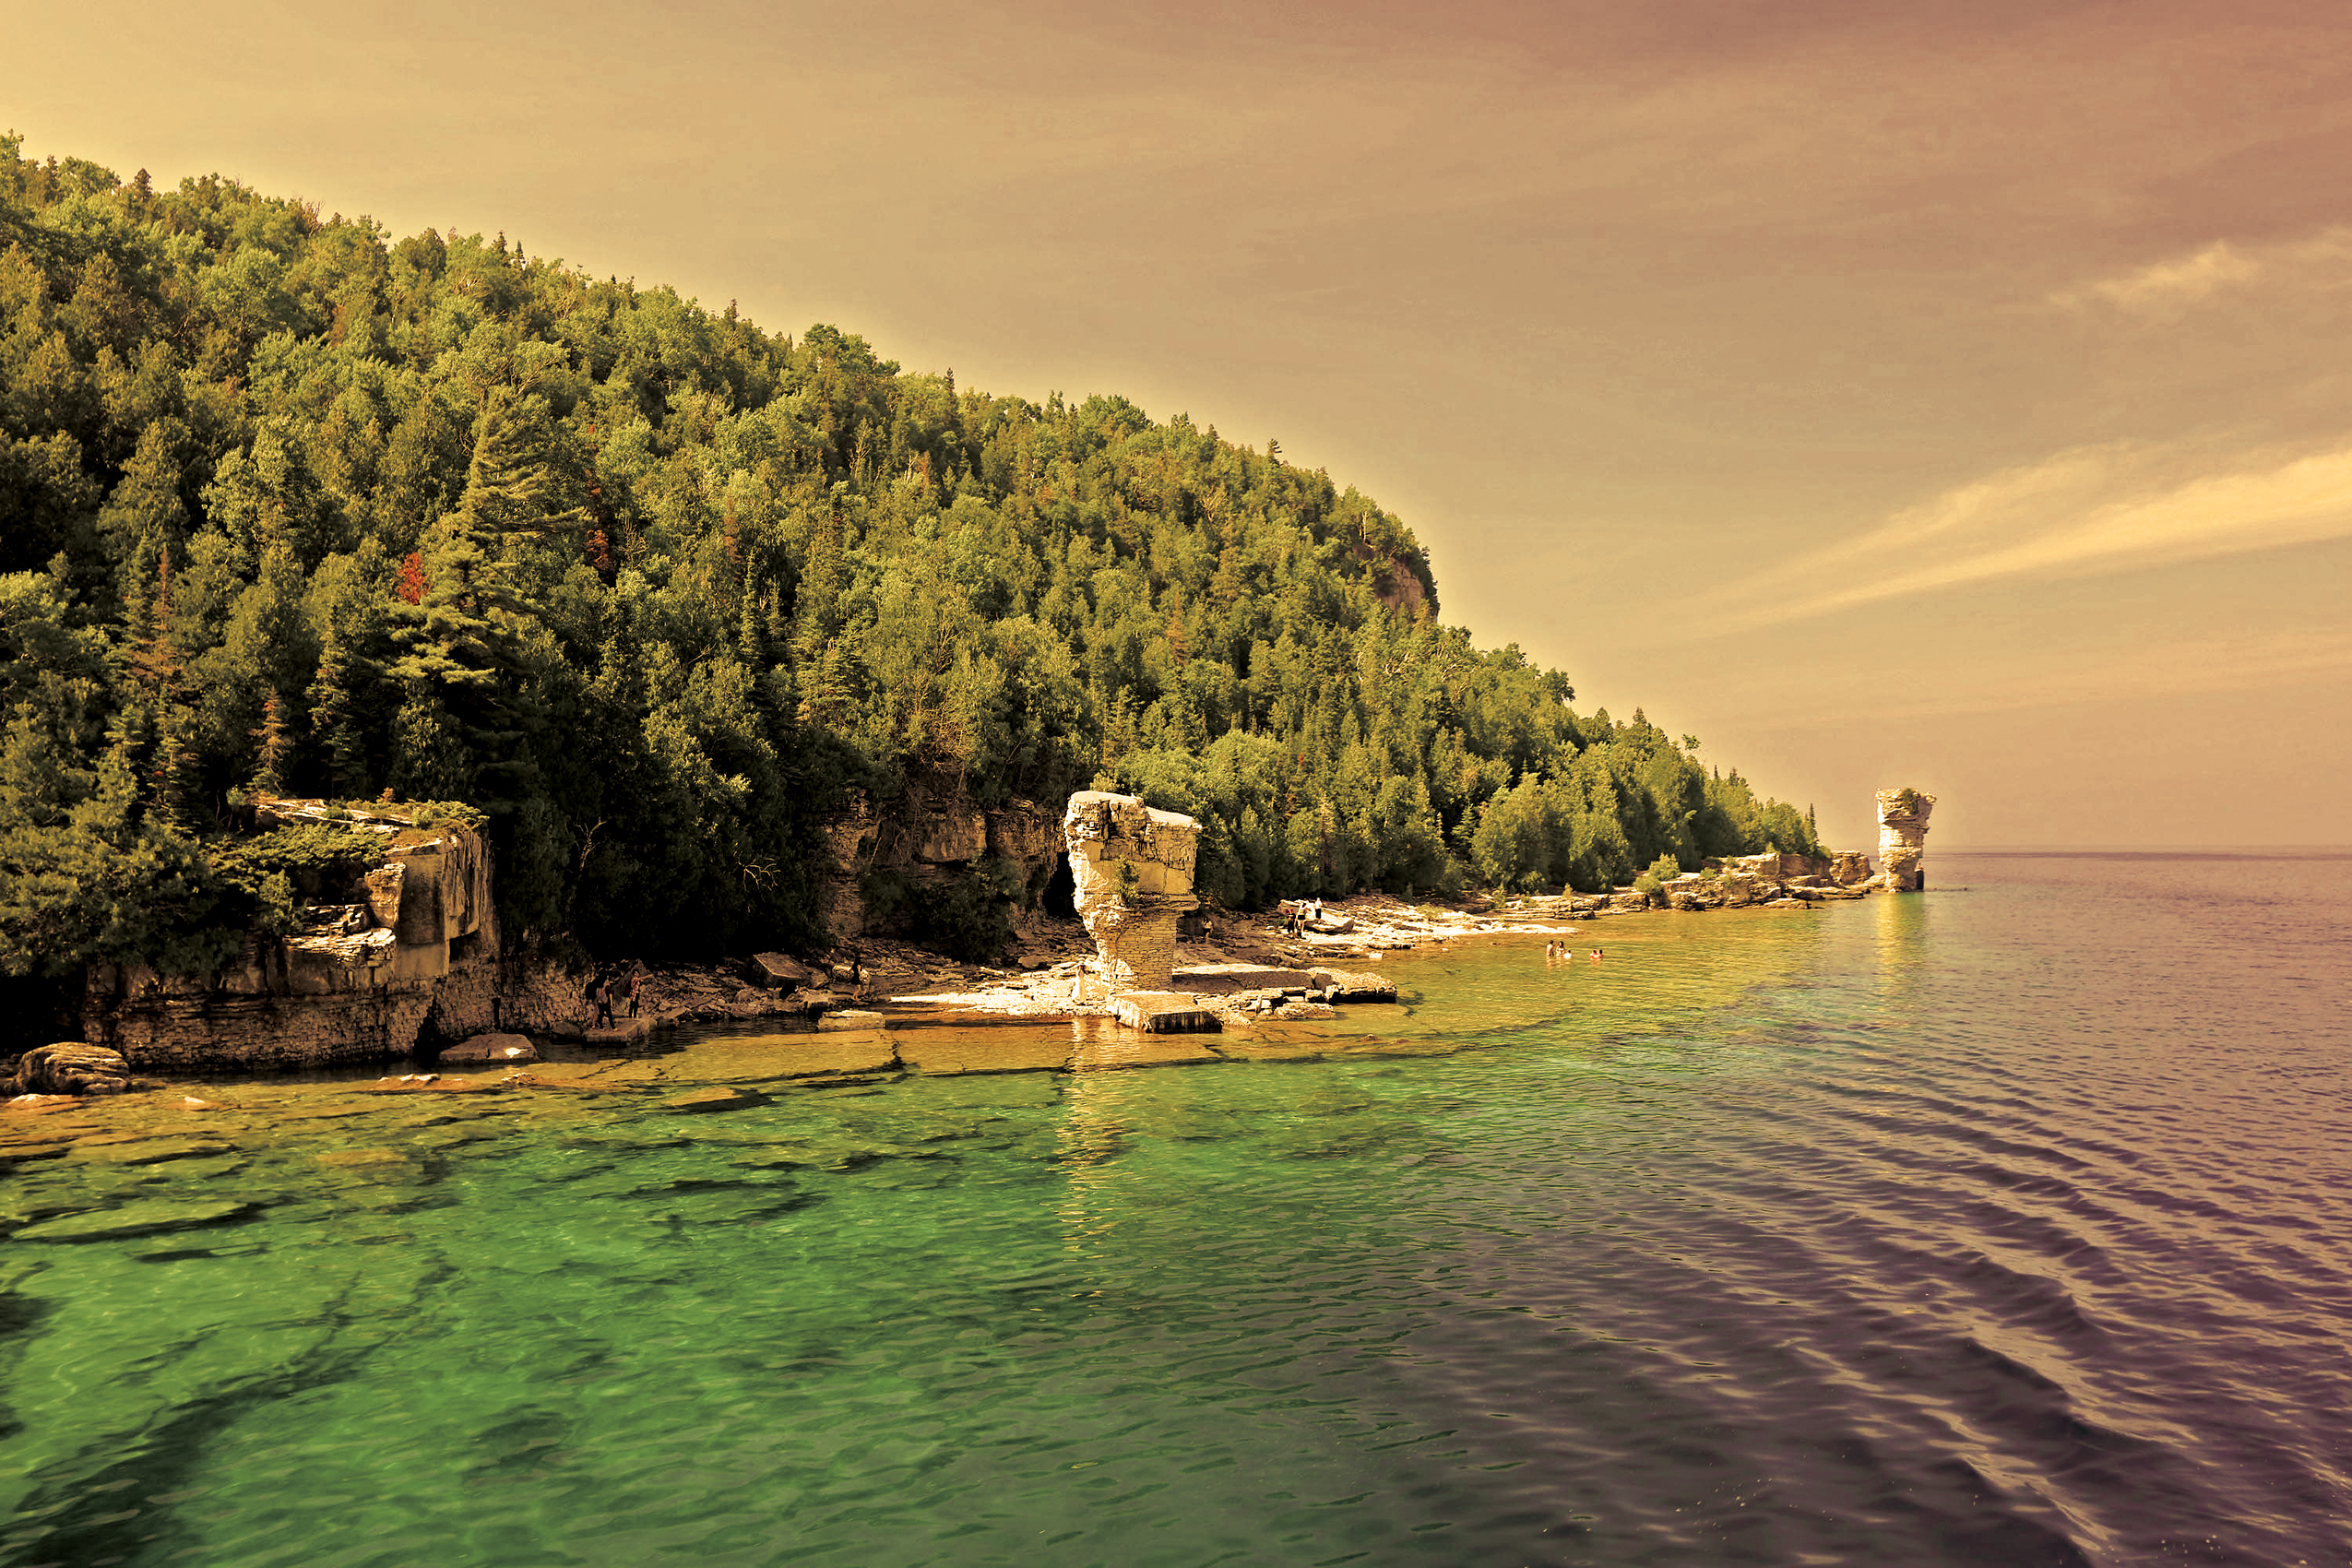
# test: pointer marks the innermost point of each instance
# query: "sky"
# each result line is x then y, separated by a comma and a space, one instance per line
1885, 394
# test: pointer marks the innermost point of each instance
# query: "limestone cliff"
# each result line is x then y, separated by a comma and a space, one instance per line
927, 838
412, 947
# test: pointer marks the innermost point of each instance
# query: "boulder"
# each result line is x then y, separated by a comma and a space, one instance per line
777, 972
493, 1047
71, 1067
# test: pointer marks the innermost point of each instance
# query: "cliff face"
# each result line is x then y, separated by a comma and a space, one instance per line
415, 948
928, 839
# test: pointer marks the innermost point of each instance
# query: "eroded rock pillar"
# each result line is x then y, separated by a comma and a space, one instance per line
1902, 838
1132, 871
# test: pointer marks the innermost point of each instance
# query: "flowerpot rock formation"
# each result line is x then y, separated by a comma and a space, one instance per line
1902, 839
1132, 871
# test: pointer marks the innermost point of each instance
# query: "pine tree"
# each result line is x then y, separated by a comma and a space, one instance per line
513, 486
335, 722
273, 749
173, 767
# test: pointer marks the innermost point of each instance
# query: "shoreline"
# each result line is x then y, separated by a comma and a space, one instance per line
1237, 974
732, 1062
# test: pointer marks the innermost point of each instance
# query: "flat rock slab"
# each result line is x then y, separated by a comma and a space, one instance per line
145, 1217
852, 1018
758, 1058
145, 1151
493, 1047
323, 1112
434, 1084
702, 1100
1122, 1048
1164, 1011
1355, 985
1263, 1048
779, 971
352, 1157
42, 1104
627, 1031
1223, 980
572, 1084
942, 1051
1376, 1046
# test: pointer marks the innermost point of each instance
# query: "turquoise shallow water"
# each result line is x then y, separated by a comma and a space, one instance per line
2005, 1226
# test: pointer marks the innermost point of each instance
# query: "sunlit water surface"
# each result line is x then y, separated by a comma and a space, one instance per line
2005, 1225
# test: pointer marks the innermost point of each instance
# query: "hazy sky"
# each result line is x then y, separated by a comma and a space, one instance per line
1885, 393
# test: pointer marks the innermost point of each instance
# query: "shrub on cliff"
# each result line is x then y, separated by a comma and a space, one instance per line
267, 874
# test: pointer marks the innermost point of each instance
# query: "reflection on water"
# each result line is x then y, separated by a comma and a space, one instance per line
1970, 1229
1097, 1125
1902, 920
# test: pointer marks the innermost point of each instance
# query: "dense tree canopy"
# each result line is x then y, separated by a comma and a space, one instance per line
289, 504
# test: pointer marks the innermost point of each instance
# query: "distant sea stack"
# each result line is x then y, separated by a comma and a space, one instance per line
1902, 838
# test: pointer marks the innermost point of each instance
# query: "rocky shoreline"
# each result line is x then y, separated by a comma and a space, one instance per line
410, 959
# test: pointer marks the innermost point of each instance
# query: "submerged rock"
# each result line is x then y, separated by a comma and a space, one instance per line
700, 1101
493, 1047
143, 1217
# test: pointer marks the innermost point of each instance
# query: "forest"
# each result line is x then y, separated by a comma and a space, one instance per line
290, 506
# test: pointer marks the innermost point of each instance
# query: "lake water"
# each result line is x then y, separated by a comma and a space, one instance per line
2006, 1226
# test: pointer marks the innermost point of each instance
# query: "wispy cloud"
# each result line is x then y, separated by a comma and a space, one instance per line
2054, 679
2089, 511
2176, 283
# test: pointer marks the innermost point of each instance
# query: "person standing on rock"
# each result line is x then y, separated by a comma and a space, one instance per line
629, 989
603, 995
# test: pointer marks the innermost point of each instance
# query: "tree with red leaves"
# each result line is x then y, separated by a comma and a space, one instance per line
411, 585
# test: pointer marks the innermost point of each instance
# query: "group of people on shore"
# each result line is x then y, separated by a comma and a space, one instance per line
1302, 917
1560, 953
603, 989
